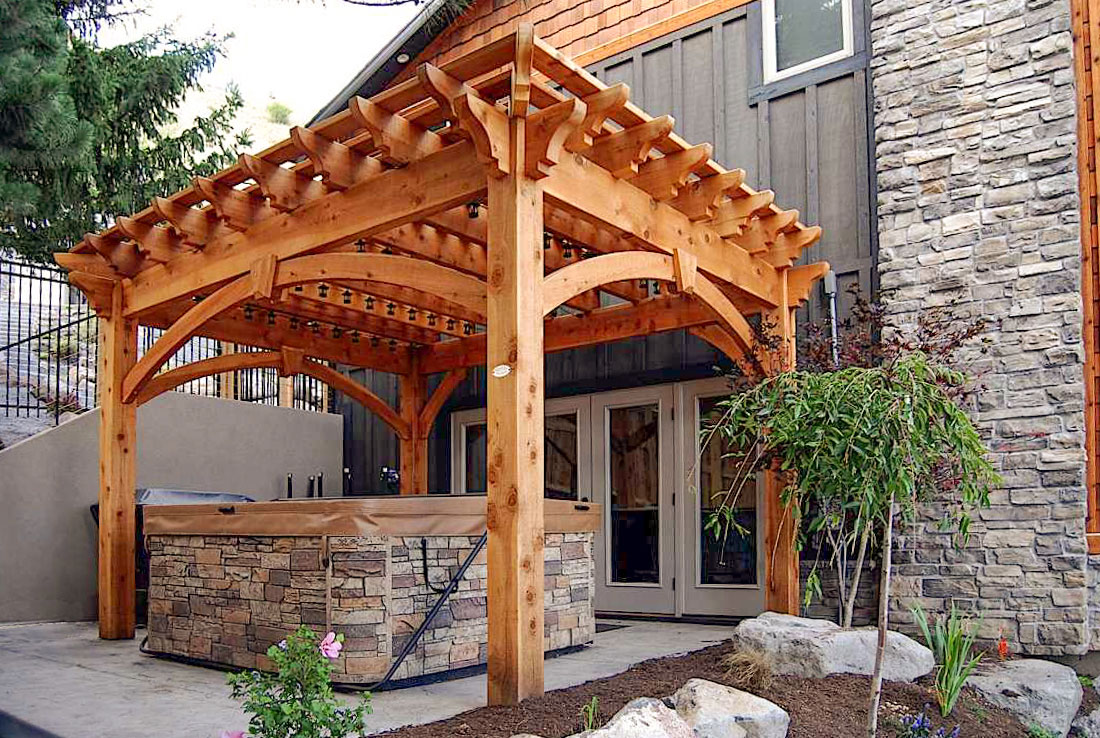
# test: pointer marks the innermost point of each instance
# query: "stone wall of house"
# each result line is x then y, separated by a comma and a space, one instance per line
827, 606
974, 128
229, 598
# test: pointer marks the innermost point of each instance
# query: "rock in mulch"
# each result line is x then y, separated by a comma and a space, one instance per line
815, 649
1037, 691
717, 711
1088, 725
644, 717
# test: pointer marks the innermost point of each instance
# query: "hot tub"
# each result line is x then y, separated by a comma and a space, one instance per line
227, 581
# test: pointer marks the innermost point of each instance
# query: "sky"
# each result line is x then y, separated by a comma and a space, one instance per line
297, 52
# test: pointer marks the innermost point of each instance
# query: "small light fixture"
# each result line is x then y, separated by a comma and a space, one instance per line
403, 58
316, 328
337, 331
393, 345
374, 341
369, 303
298, 288
412, 313
322, 290
467, 328
567, 249
450, 324
472, 208
390, 308
271, 317
294, 322
361, 245
387, 250
431, 319
355, 336
248, 310
547, 240
347, 297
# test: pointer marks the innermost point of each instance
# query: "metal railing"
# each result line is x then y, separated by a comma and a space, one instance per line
49, 353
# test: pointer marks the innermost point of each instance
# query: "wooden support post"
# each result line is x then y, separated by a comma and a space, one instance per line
780, 557
286, 391
117, 473
515, 430
226, 381
414, 448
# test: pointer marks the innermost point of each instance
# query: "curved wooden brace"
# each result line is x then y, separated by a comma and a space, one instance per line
181, 331
274, 359
579, 277
400, 270
440, 281
206, 367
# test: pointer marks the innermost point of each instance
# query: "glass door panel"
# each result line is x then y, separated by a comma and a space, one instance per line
633, 459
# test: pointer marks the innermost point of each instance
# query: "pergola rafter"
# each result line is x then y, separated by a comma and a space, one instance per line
472, 215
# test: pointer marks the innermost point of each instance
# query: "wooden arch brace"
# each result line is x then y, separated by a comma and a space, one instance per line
681, 268
446, 283
289, 362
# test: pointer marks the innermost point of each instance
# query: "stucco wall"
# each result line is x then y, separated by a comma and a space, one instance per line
977, 198
47, 536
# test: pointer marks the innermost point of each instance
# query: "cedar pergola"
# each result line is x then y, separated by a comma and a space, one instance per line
471, 215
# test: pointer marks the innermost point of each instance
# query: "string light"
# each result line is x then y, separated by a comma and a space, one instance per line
337, 331
374, 341
472, 208
361, 245
390, 308
355, 336
567, 249
431, 319
347, 297
369, 303
271, 317
294, 322
467, 328
316, 328
393, 345
450, 324
547, 240
322, 290
248, 310
412, 313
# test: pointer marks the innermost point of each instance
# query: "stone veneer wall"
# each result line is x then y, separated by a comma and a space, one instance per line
977, 202
228, 598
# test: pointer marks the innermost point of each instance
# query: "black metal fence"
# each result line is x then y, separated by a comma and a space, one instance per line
49, 352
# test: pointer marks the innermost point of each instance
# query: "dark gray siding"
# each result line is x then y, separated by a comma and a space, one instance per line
805, 138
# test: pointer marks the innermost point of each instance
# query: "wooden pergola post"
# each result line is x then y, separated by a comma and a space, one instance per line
117, 472
780, 557
414, 448
515, 430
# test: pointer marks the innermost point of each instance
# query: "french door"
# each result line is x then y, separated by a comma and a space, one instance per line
645, 456
633, 460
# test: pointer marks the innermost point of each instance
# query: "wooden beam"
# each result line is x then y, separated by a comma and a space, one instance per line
547, 132
515, 431
284, 188
616, 323
195, 227
226, 363
443, 180
699, 200
399, 140
598, 106
442, 392
97, 290
359, 393
623, 152
237, 209
662, 178
339, 166
117, 474
590, 193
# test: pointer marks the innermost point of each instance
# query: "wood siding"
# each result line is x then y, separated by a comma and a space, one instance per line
809, 145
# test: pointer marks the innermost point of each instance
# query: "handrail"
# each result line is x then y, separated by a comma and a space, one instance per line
46, 332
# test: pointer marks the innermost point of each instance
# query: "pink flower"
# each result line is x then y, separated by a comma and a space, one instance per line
330, 647
232, 734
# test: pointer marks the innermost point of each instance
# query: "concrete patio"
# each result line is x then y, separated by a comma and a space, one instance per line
60, 677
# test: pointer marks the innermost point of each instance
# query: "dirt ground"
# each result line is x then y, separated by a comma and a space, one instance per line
819, 708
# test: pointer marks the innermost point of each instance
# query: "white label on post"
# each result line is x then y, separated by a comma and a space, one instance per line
501, 370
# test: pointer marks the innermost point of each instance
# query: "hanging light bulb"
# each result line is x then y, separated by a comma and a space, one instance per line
390, 308
361, 245
369, 303
322, 290
467, 328
472, 208
412, 313
431, 319
450, 324
567, 249
316, 328
347, 297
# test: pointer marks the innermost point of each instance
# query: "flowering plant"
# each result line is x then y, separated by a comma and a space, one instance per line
919, 726
298, 699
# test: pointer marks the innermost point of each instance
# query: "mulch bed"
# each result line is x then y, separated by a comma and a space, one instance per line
819, 708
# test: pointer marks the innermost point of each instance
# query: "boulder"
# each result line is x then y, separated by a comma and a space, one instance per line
1037, 691
717, 711
644, 717
1087, 726
816, 648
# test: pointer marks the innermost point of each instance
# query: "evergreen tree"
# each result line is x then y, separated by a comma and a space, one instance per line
85, 130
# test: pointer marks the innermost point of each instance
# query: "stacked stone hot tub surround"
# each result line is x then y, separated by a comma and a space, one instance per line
227, 598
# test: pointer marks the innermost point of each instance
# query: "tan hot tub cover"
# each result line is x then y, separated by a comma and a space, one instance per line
442, 515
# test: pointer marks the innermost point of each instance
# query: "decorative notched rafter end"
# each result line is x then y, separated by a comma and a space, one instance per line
789, 246
599, 106
699, 200
399, 141
237, 209
284, 189
685, 267
156, 242
623, 152
124, 257
339, 166
801, 279
662, 178
547, 132
194, 227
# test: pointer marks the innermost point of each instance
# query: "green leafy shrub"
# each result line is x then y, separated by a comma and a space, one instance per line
297, 701
951, 640
1038, 731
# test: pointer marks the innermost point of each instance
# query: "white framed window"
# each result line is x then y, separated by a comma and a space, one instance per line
800, 35
568, 453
